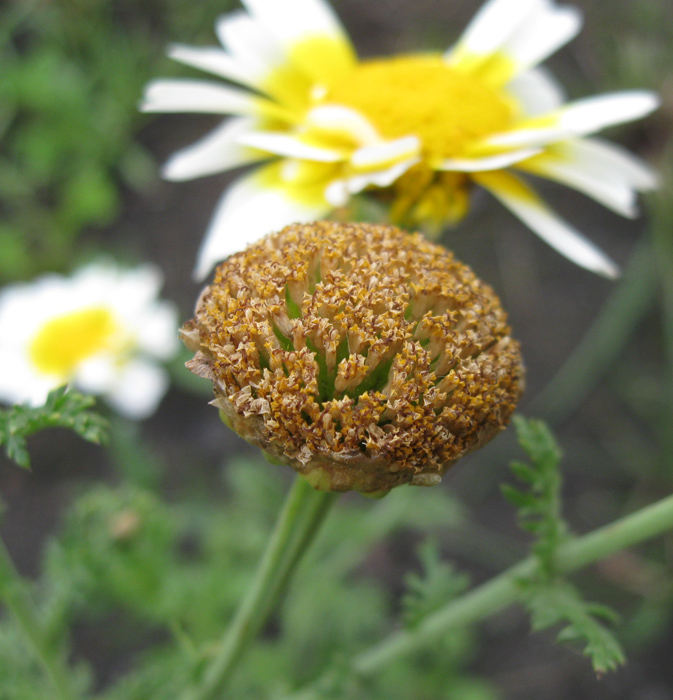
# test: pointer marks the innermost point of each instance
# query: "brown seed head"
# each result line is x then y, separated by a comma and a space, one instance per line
362, 356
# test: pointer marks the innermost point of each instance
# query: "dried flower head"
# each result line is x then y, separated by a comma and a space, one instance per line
360, 355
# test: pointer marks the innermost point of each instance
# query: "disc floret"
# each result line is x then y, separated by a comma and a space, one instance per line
362, 356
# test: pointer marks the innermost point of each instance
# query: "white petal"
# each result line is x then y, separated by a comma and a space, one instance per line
502, 160
127, 293
216, 152
130, 290
537, 92
289, 145
542, 33
197, 96
492, 25
579, 118
214, 61
254, 49
292, 19
243, 35
596, 113
18, 306
247, 211
20, 383
292, 22
337, 193
522, 137
524, 203
139, 388
252, 58
98, 374
379, 178
608, 174
610, 160
158, 334
343, 120
385, 152
615, 196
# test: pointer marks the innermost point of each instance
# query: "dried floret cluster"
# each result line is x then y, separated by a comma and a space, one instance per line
362, 356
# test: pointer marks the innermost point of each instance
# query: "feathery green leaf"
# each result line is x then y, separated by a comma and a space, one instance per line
551, 599
64, 408
438, 583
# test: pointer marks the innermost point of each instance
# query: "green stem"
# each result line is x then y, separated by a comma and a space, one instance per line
662, 223
299, 522
15, 595
603, 343
505, 589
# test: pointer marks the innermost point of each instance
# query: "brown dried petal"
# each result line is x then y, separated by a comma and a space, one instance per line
362, 356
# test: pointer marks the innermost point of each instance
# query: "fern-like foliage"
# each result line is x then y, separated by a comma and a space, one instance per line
559, 603
538, 504
64, 408
429, 590
551, 599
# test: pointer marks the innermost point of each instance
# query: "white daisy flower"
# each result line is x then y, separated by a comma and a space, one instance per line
421, 130
103, 330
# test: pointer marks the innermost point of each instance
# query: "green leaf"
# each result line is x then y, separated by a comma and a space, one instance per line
436, 585
63, 408
559, 603
550, 599
523, 472
538, 442
539, 504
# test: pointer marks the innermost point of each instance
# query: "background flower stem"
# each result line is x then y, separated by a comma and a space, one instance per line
662, 225
605, 339
298, 523
14, 594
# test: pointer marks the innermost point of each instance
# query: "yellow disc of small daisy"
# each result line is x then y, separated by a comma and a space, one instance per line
65, 341
421, 95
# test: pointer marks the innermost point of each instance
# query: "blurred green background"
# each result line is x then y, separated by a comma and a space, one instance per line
158, 535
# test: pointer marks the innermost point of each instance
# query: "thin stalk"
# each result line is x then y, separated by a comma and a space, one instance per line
14, 594
662, 225
505, 589
317, 512
604, 341
304, 511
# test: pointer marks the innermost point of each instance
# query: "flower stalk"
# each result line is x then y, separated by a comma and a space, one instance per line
298, 523
605, 340
505, 589
662, 220
14, 595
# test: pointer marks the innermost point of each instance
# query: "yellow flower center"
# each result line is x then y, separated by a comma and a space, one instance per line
65, 341
421, 95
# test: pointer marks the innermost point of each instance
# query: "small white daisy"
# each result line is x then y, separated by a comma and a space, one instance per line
101, 330
420, 130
